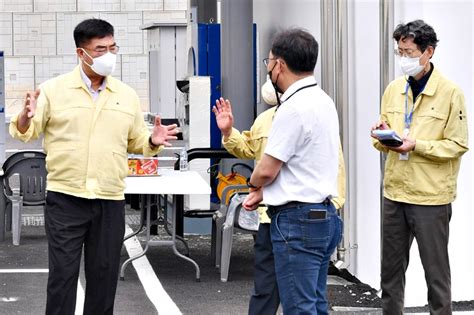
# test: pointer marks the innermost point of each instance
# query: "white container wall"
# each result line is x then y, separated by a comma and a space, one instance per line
453, 58
452, 22
364, 161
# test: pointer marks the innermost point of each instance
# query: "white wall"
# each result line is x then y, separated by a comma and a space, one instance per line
452, 21
364, 160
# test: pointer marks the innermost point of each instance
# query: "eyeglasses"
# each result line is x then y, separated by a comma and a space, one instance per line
103, 50
406, 52
266, 61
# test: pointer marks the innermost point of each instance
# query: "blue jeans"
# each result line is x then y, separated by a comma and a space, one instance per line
302, 248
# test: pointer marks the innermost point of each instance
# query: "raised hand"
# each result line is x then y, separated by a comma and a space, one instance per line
224, 117
29, 110
162, 133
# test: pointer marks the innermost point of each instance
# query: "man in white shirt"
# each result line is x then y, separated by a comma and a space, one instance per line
297, 175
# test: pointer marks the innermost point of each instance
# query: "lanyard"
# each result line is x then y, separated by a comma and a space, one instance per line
301, 88
409, 115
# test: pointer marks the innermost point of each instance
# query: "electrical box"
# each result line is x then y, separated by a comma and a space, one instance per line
167, 63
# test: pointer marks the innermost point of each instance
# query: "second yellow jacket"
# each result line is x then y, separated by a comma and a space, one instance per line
250, 144
439, 126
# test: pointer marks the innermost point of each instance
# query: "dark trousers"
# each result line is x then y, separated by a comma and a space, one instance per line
430, 226
97, 225
265, 298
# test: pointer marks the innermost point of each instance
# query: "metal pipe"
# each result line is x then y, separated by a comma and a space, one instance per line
342, 101
341, 67
334, 74
386, 20
386, 43
237, 59
327, 47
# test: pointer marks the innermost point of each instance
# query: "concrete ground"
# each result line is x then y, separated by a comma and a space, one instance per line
23, 276
159, 282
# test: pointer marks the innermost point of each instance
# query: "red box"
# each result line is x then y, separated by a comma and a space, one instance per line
142, 167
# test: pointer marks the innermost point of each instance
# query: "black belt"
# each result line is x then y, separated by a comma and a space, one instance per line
272, 210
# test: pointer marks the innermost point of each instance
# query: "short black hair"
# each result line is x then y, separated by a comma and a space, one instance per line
92, 28
298, 48
423, 34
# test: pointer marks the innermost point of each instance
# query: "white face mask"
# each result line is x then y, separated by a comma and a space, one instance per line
411, 66
268, 93
103, 65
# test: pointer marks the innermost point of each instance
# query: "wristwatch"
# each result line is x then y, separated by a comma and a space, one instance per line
250, 184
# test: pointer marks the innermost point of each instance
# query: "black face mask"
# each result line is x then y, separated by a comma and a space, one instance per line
278, 91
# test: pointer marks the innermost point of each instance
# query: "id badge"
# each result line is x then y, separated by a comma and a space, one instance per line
403, 156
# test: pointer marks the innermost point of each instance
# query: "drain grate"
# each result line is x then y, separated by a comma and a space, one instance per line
32, 220
38, 219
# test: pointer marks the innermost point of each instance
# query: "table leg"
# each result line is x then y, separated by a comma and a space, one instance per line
148, 223
154, 215
178, 237
173, 238
179, 200
142, 215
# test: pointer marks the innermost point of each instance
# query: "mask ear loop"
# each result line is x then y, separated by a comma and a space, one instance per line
275, 87
90, 66
427, 61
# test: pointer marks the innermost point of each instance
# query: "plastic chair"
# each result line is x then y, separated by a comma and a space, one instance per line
236, 218
219, 219
24, 184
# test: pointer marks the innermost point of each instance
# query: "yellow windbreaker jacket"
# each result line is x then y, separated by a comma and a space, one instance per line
439, 127
86, 142
250, 144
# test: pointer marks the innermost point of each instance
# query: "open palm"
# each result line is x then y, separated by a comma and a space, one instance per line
162, 133
224, 117
30, 103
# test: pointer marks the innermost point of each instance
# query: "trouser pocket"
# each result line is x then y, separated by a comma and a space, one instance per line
315, 233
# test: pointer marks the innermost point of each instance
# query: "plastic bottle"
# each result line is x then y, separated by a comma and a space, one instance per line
183, 160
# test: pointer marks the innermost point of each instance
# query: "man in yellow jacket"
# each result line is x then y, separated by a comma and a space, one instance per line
250, 144
427, 111
90, 121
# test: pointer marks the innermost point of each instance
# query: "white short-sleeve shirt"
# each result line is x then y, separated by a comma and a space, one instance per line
305, 137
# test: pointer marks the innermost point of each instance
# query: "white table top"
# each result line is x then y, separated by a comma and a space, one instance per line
168, 182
